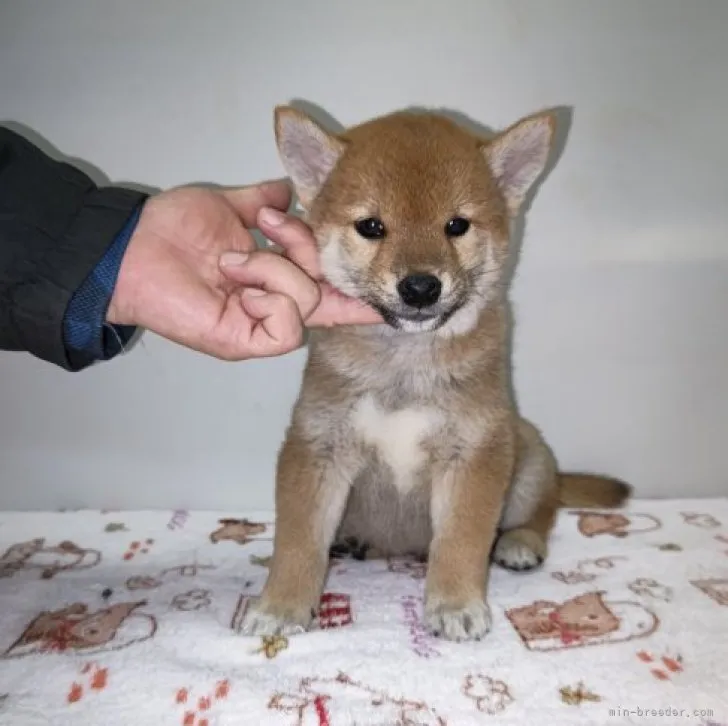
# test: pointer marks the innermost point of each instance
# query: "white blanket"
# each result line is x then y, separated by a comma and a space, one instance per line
130, 618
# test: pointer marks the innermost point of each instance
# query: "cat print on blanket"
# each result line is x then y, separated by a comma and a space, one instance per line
178, 519
582, 573
723, 539
92, 679
669, 547
700, 519
150, 582
616, 524
196, 599
237, 530
715, 588
198, 709
414, 568
663, 667
576, 695
81, 647
490, 695
651, 588
137, 548
342, 701
421, 642
588, 619
34, 555
77, 629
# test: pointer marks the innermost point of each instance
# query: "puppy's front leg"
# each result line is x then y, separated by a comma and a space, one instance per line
467, 497
311, 492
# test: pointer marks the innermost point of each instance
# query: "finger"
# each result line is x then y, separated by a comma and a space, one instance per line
273, 273
336, 308
294, 236
277, 327
248, 201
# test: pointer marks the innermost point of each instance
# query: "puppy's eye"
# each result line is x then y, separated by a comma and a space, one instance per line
370, 228
457, 227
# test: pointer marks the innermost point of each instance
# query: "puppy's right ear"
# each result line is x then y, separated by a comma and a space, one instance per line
308, 152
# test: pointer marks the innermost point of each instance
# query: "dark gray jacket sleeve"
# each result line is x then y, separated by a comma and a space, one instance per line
55, 227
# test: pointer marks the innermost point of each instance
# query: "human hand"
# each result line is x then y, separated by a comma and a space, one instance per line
192, 274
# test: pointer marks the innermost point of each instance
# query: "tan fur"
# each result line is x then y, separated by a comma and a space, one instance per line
582, 491
405, 437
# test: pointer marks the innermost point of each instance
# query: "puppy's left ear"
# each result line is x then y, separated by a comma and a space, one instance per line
518, 156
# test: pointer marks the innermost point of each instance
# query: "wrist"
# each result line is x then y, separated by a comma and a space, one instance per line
121, 308
86, 334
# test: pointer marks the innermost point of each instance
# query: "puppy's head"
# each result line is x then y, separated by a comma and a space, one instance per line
411, 211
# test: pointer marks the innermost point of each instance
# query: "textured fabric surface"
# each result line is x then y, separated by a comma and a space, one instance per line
132, 618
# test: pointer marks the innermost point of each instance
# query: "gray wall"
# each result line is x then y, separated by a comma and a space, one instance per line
621, 348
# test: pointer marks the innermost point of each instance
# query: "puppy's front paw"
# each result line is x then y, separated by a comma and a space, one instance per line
266, 618
470, 621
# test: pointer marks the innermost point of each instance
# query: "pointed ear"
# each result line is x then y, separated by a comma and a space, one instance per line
308, 152
518, 156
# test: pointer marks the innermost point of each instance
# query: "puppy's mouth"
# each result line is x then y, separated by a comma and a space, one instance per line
417, 316
409, 320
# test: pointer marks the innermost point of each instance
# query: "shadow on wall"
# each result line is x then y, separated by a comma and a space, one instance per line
97, 176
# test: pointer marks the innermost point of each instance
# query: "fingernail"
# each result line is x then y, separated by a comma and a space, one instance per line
233, 259
272, 217
253, 292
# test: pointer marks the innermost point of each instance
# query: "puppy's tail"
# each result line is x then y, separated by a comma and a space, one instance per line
589, 491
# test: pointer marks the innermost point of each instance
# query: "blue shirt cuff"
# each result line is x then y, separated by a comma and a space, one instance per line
85, 328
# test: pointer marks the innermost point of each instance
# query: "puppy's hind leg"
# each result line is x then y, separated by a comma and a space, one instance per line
531, 505
525, 548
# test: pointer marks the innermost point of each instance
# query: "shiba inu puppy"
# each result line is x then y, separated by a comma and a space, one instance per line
405, 438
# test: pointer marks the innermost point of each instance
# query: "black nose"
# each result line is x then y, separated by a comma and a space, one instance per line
419, 290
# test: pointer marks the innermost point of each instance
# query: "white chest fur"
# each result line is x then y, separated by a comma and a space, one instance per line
397, 435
